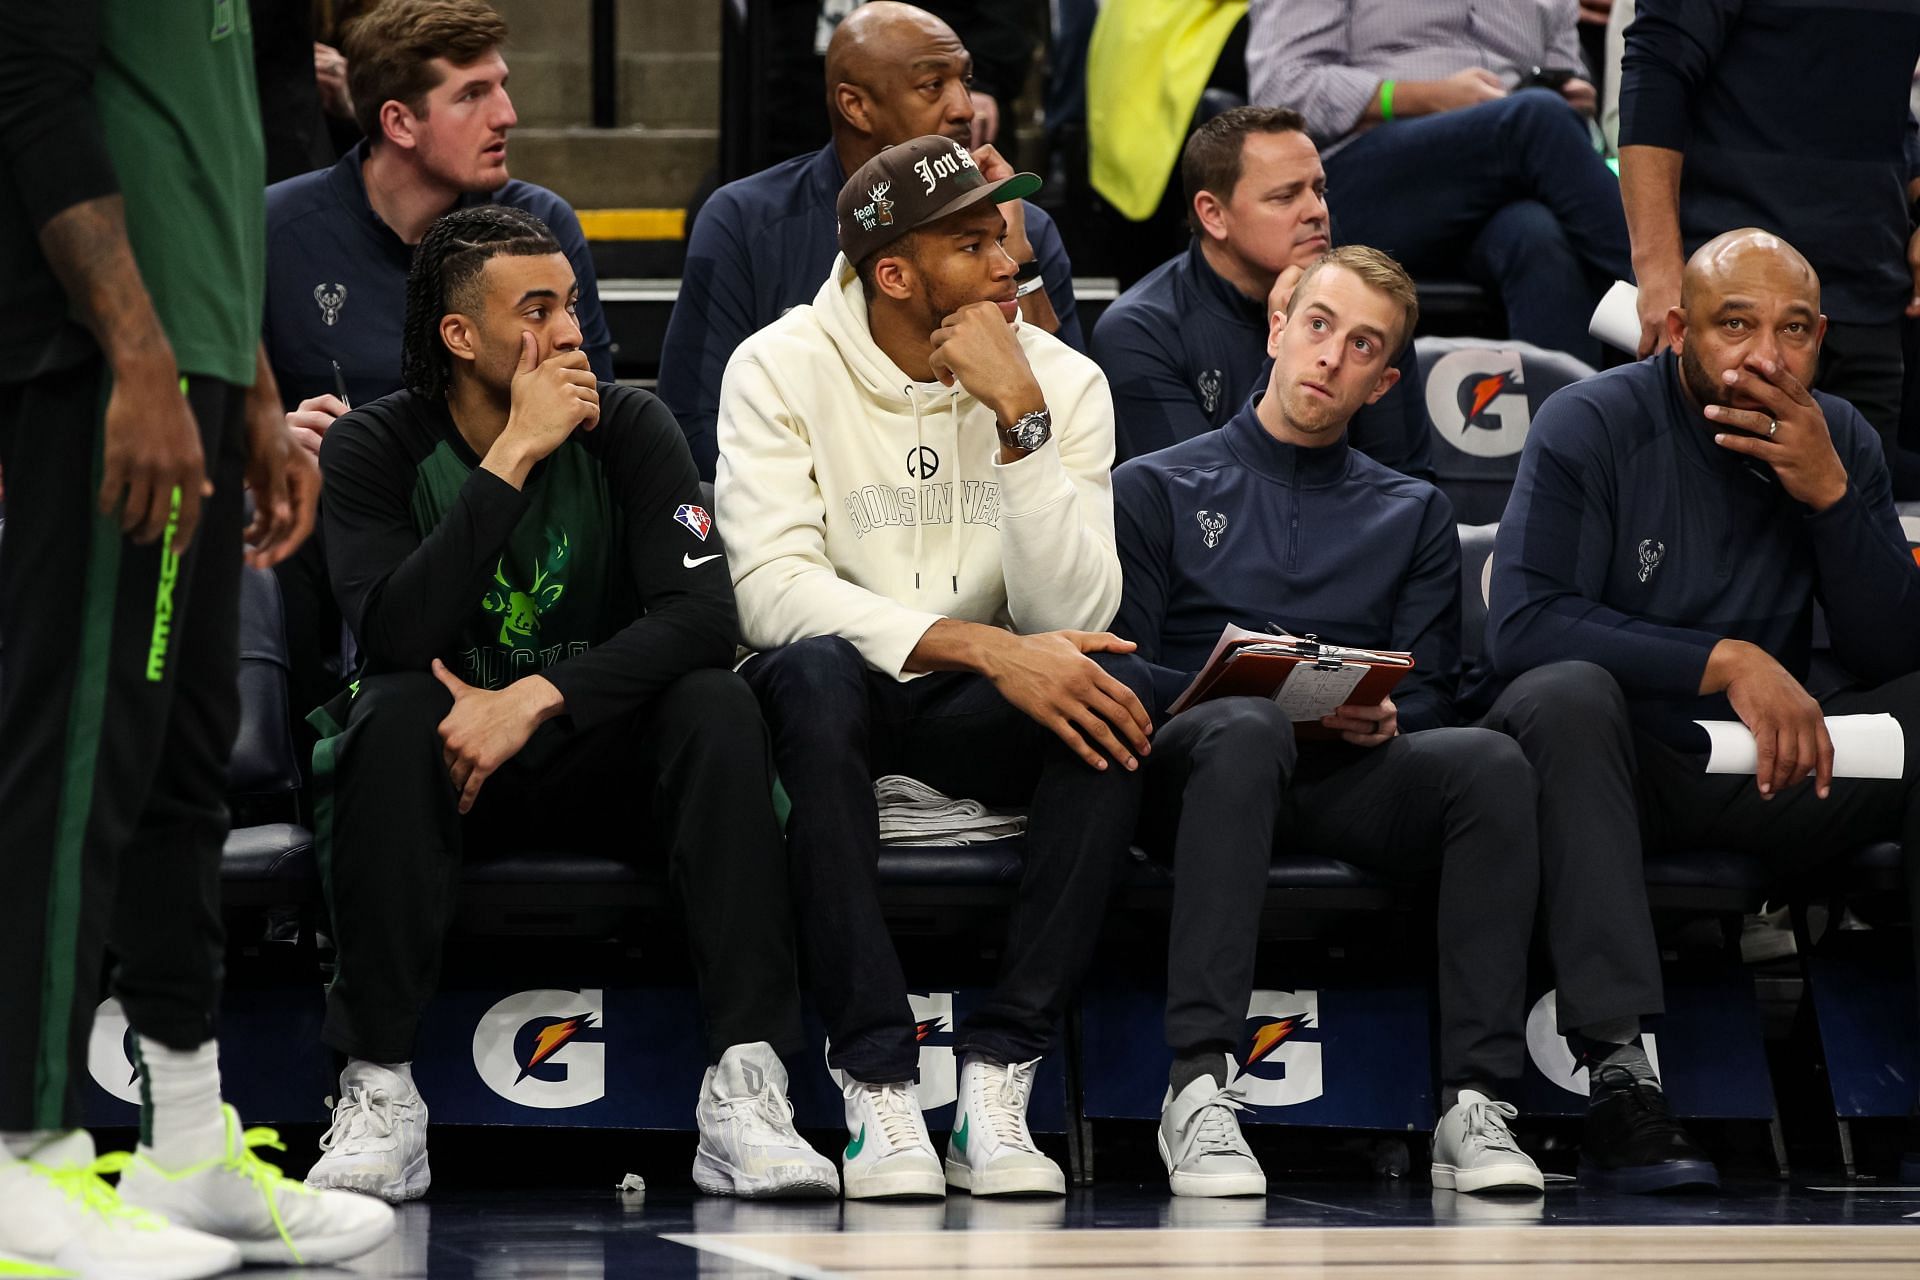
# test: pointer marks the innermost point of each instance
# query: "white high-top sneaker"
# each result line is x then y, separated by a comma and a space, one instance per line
748, 1145
1202, 1146
1473, 1150
59, 1218
888, 1151
242, 1198
991, 1152
377, 1144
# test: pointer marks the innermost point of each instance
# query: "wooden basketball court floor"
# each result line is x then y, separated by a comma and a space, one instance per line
1136, 1232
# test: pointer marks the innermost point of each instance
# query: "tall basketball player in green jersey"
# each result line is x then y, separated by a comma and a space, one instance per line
135, 412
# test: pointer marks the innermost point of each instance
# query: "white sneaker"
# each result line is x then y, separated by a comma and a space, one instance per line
58, 1217
1473, 1150
991, 1152
1202, 1146
888, 1151
242, 1198
377, 1144
748, 1145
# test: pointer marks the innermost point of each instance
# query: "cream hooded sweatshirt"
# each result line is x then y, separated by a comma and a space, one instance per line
856, 502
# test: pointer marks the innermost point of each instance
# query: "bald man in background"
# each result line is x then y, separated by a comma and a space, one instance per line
764, 244
1671, 526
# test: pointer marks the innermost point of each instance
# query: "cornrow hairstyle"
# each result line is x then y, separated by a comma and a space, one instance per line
445, 277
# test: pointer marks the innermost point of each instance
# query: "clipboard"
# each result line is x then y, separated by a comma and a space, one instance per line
1308, 678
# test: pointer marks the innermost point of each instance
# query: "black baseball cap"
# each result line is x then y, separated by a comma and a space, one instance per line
912, 184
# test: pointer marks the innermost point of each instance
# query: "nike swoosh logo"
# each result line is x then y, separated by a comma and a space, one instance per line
960, 1136
691, 563
853, 1148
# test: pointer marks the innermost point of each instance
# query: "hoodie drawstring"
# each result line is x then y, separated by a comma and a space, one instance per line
920, 514
959, 485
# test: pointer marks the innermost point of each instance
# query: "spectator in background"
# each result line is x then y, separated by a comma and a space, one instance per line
1444, 147
764, 244
1186, 346
429, 85
914, 485
999, 33
1710, 141
286, 76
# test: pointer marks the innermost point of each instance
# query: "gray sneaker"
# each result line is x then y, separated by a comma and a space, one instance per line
1473, 1150
1202, 1147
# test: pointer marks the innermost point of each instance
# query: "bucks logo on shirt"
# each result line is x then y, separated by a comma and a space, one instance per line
550, 591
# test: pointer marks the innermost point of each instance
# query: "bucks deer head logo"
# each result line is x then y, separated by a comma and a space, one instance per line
1650, 554
519, 611
1212, 525
331, 298
1210, 390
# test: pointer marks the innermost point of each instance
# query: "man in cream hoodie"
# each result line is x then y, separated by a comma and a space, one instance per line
914, 491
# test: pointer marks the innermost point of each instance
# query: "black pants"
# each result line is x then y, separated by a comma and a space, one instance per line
1570, 720
1865, 365
690, 770
838, 725
1228, 785
118, 708
1608, 790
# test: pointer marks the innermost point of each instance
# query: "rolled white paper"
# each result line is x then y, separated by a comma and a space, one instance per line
1869, 746
1616, 321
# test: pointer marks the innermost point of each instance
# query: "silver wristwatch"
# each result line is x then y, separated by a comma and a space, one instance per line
1030, 432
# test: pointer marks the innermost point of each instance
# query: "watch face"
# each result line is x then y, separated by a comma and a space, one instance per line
1031, 431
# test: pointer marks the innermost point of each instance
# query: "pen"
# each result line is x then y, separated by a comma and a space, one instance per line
340, 384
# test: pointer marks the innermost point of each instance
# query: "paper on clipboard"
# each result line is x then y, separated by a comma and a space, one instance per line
1870, 746
1311, 691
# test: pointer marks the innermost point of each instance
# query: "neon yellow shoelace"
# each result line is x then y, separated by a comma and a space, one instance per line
85, 1184
266, 1177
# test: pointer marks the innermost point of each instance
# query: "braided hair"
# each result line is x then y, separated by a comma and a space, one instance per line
445, 275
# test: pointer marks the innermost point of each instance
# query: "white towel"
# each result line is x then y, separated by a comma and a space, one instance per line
912, 813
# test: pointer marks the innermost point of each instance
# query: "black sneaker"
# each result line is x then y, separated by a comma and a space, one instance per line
1632, 1142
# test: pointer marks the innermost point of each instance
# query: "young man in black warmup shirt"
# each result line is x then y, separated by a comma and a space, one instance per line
546, 624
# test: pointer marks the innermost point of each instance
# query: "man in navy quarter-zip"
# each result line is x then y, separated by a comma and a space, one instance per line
1187, 344
761, 246
1672, 524
1274, 521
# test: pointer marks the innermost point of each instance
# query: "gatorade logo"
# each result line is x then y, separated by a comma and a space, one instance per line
1477, 402
939, 1071
109, 1056
1552, 1057
544, 1049
1280, 1057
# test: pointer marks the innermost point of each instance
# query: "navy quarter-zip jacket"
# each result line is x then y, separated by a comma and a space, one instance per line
1235, 527
337, 281
1634, 542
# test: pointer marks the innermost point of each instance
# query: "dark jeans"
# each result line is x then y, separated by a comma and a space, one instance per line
1512, 191
117, 714
837, 725
1593, 767
691, 769
1228, 785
